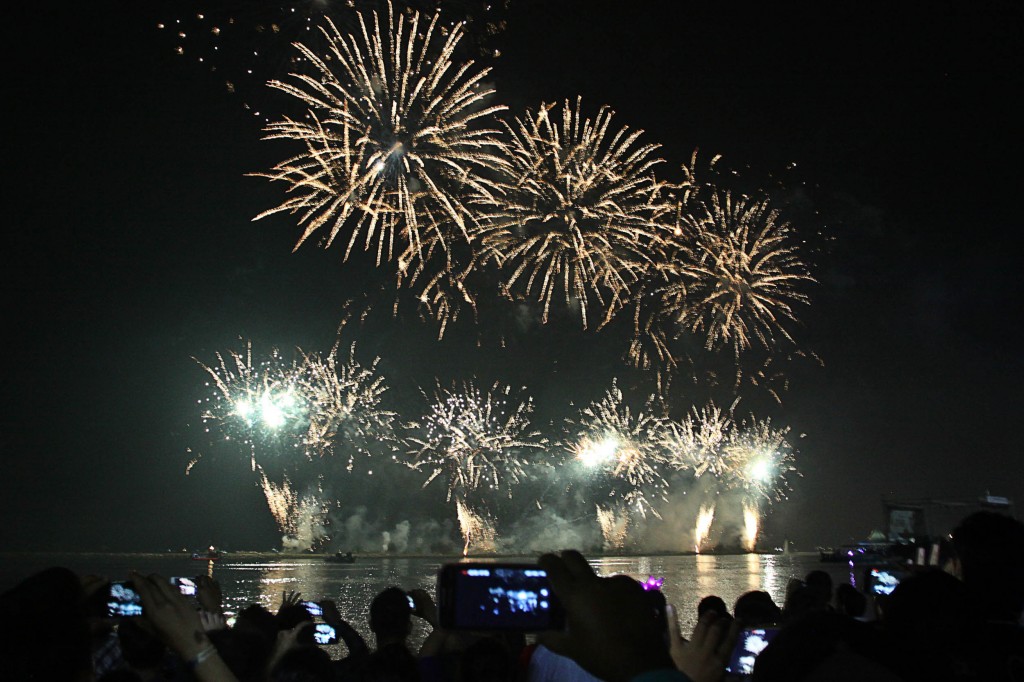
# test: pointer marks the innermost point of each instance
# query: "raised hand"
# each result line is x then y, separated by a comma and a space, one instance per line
704, 657
208, 594
612, 631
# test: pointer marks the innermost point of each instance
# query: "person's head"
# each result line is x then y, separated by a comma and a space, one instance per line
850, 601
712, 603
756, 608
30, 648
926, 617
390, 616
826, 647
259, 621
820, 585
989, 557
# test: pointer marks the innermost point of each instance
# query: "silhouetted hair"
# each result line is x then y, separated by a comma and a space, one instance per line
990, 548
756, 608
712, 603
390, 614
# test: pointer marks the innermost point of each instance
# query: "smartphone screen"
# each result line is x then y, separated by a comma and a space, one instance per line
313, 608
186, 586
751, 642
497, 597
123, 601
325, 634
883, 581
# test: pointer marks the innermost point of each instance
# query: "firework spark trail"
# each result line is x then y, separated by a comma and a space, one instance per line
751, 520
623, 448
259, 403
705, 517
577, 210
398, 138
345, 407
741, 279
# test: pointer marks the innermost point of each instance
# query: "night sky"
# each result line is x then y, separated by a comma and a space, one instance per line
894, 134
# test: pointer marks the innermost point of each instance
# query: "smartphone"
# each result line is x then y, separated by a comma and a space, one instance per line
882, 580
187, 586
486, 596
324, 634
123, 601
751, 642
412, 602
313, 608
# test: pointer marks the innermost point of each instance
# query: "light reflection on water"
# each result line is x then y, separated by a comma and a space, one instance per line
248, 580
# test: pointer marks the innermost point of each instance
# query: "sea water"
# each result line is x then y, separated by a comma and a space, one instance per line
261, 580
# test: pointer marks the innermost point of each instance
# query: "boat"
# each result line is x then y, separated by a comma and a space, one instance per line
211, 554
340, 558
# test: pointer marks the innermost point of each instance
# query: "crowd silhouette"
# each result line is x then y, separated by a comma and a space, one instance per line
960, 621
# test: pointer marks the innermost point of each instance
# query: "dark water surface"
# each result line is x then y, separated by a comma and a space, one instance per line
262, 580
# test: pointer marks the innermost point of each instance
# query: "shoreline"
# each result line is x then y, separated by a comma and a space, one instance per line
227, 557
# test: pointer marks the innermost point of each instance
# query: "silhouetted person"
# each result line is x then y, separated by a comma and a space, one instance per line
714, 604
756, 608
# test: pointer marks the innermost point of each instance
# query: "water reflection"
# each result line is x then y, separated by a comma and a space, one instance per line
353, 586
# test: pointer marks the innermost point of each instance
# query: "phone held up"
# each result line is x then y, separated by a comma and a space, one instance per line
187, 586
123, 601
751, 642
882, 580
497, 596
324, 634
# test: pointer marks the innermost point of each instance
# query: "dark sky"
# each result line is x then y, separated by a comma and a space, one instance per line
129, 247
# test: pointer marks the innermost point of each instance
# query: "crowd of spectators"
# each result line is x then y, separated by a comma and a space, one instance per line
960, 622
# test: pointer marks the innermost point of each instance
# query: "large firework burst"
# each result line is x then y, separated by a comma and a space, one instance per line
474, 438
577, 210
623, 447
396, 138
737, 275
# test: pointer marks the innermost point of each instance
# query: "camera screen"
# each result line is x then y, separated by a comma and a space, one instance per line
123, 601
324, 634
186, 586
502, 597
752, 641
313, 608
883, 582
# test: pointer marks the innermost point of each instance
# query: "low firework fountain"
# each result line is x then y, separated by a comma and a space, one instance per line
613, 528
751, 520
477, 531
703, 528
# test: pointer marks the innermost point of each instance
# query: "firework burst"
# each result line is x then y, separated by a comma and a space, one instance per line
759, 458
736, 276
622, 448
474, 438
256, 404
395, 140
577, 212
697, 442
345, 407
